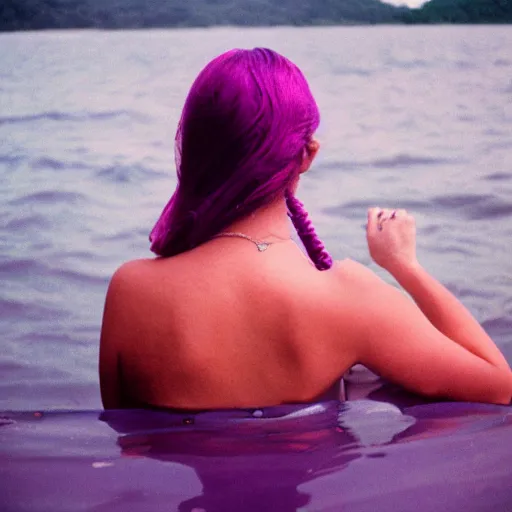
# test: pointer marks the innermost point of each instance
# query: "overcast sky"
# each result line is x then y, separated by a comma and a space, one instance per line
409, 3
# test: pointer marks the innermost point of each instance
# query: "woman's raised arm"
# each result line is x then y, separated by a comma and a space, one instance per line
434, 347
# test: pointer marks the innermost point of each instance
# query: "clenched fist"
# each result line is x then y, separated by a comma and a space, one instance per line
391, 236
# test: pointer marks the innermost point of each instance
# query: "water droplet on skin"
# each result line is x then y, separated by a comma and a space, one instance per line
257, 414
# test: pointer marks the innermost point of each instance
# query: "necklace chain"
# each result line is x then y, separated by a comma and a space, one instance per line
260, 244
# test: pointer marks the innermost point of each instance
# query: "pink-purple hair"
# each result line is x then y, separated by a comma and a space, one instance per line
242, 135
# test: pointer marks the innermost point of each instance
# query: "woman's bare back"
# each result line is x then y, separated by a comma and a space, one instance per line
226, 326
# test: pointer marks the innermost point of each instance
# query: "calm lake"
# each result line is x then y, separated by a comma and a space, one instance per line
412, 117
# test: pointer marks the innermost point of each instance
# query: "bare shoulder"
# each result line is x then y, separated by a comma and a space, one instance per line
366, 290
354, 290
127, 288
132, 270
350, 273
132, 275
362, 295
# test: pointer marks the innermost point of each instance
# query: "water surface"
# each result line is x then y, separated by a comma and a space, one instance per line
413, 117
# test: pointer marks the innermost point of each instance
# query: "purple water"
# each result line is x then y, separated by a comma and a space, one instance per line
360, 456
413, 117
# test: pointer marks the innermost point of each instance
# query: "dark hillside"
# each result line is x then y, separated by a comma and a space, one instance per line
462, 11
112, 14
119, 14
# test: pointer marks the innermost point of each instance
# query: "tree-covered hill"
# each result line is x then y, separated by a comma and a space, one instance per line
43, 14
462, 11
119, 14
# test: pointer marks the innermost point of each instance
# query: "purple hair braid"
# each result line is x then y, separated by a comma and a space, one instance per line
304, 227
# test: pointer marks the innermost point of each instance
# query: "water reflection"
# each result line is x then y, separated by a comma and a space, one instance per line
359, 455
256, 460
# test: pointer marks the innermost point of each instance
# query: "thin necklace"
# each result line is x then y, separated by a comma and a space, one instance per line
260, 244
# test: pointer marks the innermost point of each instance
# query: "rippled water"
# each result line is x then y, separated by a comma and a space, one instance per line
414, 117
360, 457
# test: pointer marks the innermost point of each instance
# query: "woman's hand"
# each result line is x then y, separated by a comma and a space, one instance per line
391, 236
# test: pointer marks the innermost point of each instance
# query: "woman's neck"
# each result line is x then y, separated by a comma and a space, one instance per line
266, 222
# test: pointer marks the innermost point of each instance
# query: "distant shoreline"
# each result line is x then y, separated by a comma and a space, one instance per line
247, 27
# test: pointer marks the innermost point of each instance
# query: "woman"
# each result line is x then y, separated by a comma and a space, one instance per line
232, 314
